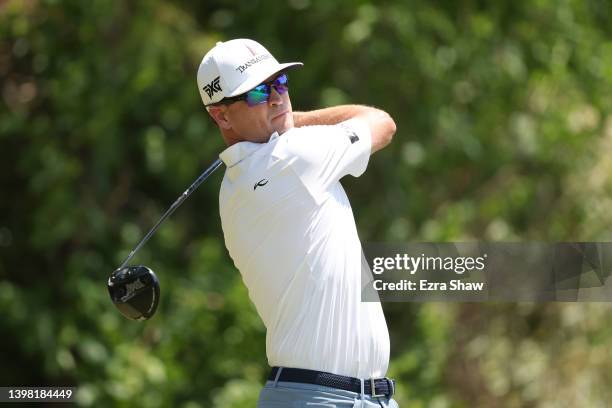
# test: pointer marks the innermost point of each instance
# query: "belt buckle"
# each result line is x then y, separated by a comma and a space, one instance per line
373, 388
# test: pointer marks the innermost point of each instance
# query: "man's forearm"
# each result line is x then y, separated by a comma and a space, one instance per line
329, 116
382, 127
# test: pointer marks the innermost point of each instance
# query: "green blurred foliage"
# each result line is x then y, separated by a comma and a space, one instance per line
504, 133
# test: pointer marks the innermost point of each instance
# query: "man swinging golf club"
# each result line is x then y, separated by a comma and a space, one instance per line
290, 230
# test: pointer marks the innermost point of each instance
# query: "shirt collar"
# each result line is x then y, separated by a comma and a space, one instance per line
241, 150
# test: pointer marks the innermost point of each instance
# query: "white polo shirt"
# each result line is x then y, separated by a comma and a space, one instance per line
289, 228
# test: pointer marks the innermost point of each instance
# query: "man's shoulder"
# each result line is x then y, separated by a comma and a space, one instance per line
308, 130
306, 135
298, 141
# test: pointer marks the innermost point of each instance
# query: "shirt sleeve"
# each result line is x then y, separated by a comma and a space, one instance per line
322, 155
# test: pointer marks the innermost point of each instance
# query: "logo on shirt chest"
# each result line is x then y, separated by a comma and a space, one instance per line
260, 183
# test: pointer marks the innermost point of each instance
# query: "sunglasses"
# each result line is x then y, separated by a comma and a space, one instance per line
261, 93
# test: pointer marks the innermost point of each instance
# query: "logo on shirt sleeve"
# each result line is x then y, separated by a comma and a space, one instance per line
351, 133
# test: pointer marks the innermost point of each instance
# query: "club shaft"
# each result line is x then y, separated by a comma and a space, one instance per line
173, 207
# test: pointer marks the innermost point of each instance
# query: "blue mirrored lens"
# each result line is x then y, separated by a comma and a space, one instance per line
261, 93
281, 83
258, 95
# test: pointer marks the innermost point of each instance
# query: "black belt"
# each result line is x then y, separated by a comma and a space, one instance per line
376, 387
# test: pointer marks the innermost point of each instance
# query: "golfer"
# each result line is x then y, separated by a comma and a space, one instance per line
290, 230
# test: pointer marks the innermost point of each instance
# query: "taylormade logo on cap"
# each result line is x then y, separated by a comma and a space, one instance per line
234, 67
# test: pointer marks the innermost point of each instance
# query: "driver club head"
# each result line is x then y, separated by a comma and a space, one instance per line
135, 291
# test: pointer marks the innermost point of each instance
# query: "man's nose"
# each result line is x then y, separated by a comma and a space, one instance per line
275, 97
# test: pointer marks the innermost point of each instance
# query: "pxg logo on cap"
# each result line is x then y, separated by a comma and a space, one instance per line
234, 67
213, 87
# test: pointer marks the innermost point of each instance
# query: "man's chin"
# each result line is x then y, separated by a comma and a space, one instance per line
285, 124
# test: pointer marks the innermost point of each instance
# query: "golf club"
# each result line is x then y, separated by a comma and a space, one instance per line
134, 290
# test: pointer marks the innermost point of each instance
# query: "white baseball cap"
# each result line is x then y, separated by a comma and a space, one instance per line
234, 67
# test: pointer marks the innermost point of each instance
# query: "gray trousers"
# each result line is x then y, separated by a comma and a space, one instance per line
297, 395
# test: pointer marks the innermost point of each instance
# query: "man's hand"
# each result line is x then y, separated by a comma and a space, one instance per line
382, 126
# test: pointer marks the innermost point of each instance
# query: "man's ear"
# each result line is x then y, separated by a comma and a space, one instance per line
219, 115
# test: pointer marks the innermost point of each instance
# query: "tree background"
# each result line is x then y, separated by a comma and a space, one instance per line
504, 133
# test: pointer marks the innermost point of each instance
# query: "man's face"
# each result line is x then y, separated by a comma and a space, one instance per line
257, 123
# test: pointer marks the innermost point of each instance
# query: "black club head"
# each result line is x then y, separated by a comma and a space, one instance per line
135, 291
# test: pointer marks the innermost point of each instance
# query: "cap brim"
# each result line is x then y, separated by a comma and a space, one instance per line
261, 76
